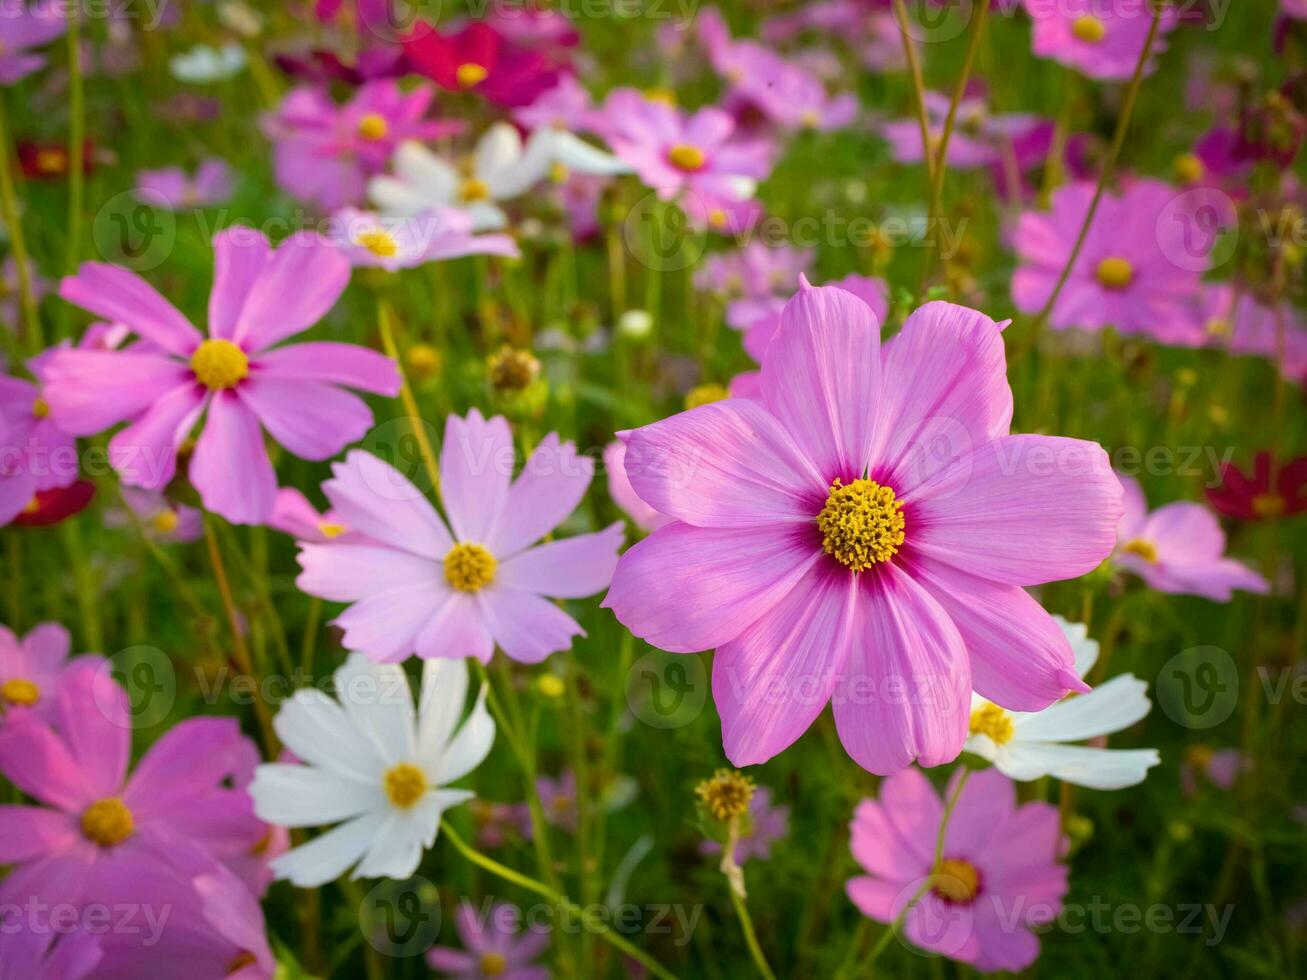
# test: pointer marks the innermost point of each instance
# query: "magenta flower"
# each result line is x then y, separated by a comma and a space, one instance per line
979, 137
766, 316
566, 106
494, 945
24, 27
862, 534
754, 272
43, 952
558, 799
624, 495
393, 243
477, 58
1099, 38
32, 669
325, 153
998, 877
766, 824
1179, 548
238, 376
97, 829
1138, 271
1237, 321
159, 517
173, 189
418, 588
37, 454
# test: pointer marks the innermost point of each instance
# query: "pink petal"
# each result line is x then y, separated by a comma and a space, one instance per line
121, 296
1184, 533
1020, 658
549, 488
457, 629
39, 762
687, 588
343, 364
312, 420
90, 390
30, 832
47, 644
728, 464
821, 377
348, 572
296, 287
385, 627
879, 847
915, 810
239, 255
145, 452
566, 569
906, 687
879, 900
375, 499
988, 799
1022, 510
476, 464
95, 722
187, 762
773, 680
527, 627
945, 391
230, 468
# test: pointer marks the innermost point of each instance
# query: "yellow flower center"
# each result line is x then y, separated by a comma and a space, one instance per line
717, 217
811, 119
861, 524
19, 691
40, 409
685, 157
32, 506
470, 74
727, 794
1219, 327
1114, 273
551, 686
219, 364
1189, 169
1199, 755
1268, 505
107, 822
493, 964
330, 529
991, 720
706, 395
956, 881
166, 521
380, 243
423, 360
373, 127
51, 161
469, 567
1144, 549
404, 784
664, 95
473, 189
558, 172
1089, 29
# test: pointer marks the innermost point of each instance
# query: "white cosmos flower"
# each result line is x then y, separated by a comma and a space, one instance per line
1027, 745
500, 168
371, 766
202, 65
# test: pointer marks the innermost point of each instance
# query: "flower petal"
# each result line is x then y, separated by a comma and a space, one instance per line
349, 572
90, 390
230, 468
320, 733
375, 499
296, 287
470, 746
387, 626
239, 255
476, 464
121, 296
456, 629
312, 420
569, 568
350, 365
327, 857
145, 452
304, 796
548, 489
30, 832
526, 626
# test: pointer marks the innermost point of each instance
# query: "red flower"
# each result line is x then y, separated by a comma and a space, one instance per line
51, 161
52, 506
478, 59
1253, 498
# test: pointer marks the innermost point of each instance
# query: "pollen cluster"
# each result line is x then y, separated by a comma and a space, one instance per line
472, 190
373, 127
1144, 549
19, 692
991, 720
1114, 273
685, 157
107, 822
469, 567
861, 524
470, 73
727, 794
219, 364
380, 243
1089, 29
956, 881
404, 784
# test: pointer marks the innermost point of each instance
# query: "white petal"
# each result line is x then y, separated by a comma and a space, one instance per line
397, 199
433, 177
444, 690
497, 153
1108, 708
318, 731
1085, 649
378, 700
471, 744
396, 850
327, 857
302, 796
486, 216
1094, 768
578, 155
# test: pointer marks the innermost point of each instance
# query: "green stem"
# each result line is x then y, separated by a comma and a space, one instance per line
750, 937
17, 241
76, 143
385, 318
918, 86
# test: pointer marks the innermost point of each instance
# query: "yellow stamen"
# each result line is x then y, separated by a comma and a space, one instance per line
717, 217
811, 119
1114, 273
404, 784
165, 521
423, 361
40, 409
510, 369
329, 529
956, 881
51, 161
20, 692
470, 74
685, 157
991, 720
32, 506
373, 127
107, 822
1144, 549
558, 172
1089, 29
706, 395
473, 189
861, 524
664, 95
380, 243
727, 794
219, 364
1219, 327
1189, 169
469, 567
493, 964
551, 686
1268, 505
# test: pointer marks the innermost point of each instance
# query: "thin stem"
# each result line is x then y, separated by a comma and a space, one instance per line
587, 917
750, 937
309, 645
385, 318
76, 143
17, 241
1109, 165
376, 969
918, 86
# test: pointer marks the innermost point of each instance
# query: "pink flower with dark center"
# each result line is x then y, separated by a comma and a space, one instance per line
495, 944
1179, 548
460, 589
1101, 39
862, 534
998, 875
173, 189
240, 377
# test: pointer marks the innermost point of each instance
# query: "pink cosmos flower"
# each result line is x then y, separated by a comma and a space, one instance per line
160, 517
494, 945
978, 138
477, 58
325, 153
624, 495
173, 189
558, 799
1236, 320
676, 155
754, 272
238, 376
1099, 38
293, 514
1220, 767
1179, 548
32, 669
42, 952
98, 829
566, 106
393, 243
37, 453
760, 321
767, 823
418, 588
863, 533
496, 823
24, 27
998, 877
1138, 271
